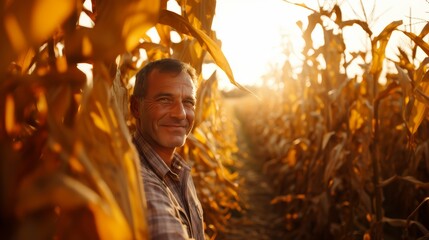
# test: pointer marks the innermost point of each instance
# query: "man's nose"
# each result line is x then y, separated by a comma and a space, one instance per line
178, 111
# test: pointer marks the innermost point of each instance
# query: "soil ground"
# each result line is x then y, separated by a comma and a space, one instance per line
260, 220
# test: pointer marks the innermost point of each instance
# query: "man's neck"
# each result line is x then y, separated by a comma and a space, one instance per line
166, 154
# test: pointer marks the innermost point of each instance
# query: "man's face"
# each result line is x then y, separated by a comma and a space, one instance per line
166, 113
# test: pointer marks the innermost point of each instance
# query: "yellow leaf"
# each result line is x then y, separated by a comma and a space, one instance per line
180, 24
86, 47
55, 189
414, 115
326, 138
111, 223
419, 41
61, 63
379, 44
58, 100
98, 121
42, 105
10, 123
366, 236
24, 60
47, 15
142, 16
76, 165
199, 136
29, 22
355, 120
15, 33
291, 157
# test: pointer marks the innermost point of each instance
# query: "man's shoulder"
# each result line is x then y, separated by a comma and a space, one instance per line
148, 174
156, 190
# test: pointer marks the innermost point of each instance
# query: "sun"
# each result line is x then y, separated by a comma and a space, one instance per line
254, 35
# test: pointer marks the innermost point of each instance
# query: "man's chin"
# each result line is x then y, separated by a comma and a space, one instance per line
173, 143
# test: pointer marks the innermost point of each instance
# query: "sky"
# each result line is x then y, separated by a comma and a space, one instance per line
255, 33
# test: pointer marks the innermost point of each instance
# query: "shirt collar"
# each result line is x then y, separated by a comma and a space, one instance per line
178, 166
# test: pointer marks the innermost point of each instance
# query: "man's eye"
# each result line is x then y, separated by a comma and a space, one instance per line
164, 100
189, 103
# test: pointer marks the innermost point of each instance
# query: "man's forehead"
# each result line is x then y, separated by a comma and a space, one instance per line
158, 74
162, 81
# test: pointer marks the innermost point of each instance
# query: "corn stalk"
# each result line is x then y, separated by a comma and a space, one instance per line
69, 168
330, 139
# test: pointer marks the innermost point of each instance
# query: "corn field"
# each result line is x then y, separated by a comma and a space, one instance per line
347, 157
68, 169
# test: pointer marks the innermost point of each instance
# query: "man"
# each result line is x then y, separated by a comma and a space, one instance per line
163, 104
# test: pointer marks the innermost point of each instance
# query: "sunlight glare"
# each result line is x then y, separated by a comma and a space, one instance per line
174, 7
85, 21
153, 34
131, 82
86, 68
175, 37
266, 33
255, 40
142, 57
208, 69
59, 47
88, 5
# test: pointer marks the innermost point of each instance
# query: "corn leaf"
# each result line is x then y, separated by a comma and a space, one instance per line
419, 41
200, 14
404, 223
422, 34
379, 44
26, 24
182, 25
362, 24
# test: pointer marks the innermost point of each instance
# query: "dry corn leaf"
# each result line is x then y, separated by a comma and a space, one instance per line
119, 27
414, 114
25, 60
190, 50
423, 33
200, 14
56, 189
419, 41
180, 24
404, 224
26, 24
409, 179
336, 158
421, 92
362, 24
413, 110
379, 44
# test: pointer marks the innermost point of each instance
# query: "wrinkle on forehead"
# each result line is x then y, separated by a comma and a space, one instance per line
171, 81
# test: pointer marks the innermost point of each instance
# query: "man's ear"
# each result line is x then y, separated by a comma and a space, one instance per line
134, 106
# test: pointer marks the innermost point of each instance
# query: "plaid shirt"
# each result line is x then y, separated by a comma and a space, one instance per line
173, 208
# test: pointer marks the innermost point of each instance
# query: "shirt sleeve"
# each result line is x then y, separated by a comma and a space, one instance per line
163, 216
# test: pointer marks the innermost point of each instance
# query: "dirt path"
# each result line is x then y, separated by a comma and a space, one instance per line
260, 220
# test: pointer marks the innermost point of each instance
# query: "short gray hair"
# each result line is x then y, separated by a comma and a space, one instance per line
166, 65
